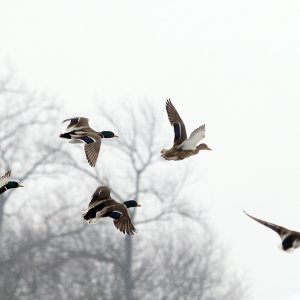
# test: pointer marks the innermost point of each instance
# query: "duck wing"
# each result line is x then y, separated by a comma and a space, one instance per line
122, 221
101, 194
124, 224
5, 178
92, 145
177, 123
196, 136
77, 123
282, 231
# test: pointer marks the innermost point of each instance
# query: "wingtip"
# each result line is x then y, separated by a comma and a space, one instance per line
249, 215
90, 162
245, 212
7, 174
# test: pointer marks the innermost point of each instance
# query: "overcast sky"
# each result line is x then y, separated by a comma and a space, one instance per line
233, 65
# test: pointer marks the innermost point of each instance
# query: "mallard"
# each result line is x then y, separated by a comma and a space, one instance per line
183, 147
6, 184
290, 239
102, 205
79, 131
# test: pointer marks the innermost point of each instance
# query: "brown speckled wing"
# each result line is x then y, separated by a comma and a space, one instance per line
77, 123
92, 149
125, 225
101, 193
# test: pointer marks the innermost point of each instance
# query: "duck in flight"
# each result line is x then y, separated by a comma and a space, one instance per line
290, 239
102, 205
79, 131
183, 147
6, 184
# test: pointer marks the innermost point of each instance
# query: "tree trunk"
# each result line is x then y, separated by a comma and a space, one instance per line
128, 280
129, 284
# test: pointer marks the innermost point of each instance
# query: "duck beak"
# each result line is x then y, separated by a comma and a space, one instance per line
138, 205
116, 136
208, 148
21, 185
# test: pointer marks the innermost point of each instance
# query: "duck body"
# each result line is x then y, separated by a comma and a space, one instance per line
175, 154
102, 205
79, 131
183, 147
81, 136
179, 154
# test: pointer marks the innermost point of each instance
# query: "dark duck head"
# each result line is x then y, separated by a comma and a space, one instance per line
10, 185
131, 203
108, 134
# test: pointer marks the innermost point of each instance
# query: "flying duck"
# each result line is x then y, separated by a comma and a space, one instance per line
102, 205
6, 184
290, 239
79, 131
183, 147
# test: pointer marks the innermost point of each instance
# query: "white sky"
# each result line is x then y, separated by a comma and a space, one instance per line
233, 65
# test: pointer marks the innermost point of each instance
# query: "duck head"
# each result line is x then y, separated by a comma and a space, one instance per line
13, 185
108, 134
131, 203
203, 147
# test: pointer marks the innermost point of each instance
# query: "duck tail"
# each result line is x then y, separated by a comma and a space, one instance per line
87, 215
65, 136
84, 214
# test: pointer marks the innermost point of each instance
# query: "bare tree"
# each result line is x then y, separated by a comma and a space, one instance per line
24, 127
26, 135
47, 250
134, 170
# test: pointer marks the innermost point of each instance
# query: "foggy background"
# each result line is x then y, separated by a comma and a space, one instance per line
231, 65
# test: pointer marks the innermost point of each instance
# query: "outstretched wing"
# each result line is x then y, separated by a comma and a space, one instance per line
92, 146
123, 223
91, 152
77, 123
176, 122
196, 136
5, 178
279, 229
101, 193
